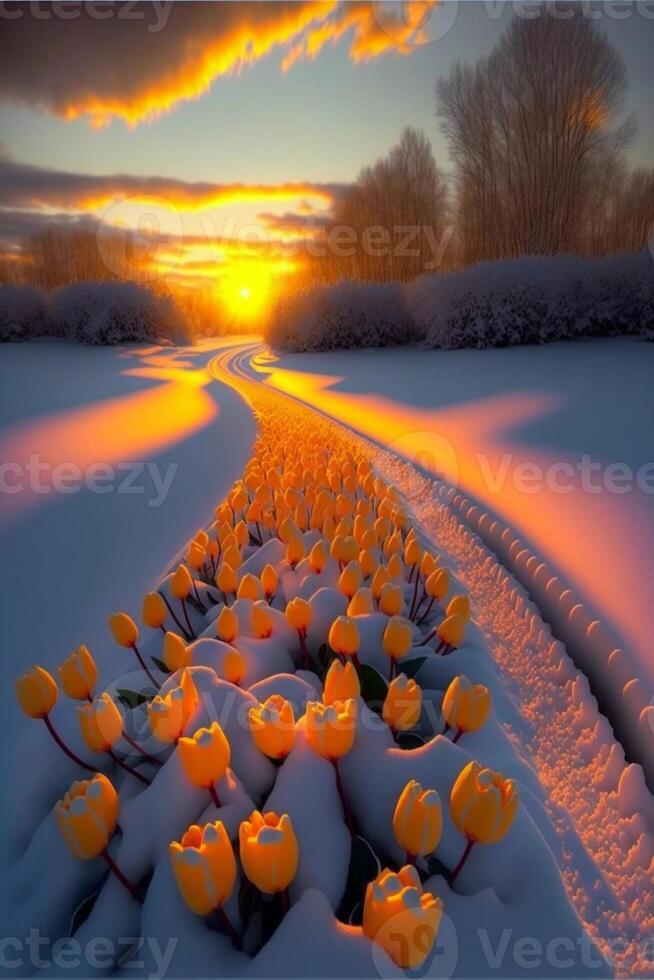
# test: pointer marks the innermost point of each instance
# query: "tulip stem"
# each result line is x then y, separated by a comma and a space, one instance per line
123, 765
303, 649
197, 596
188, 621
464, 857
144, 665
391, 670
162, 628
64, 748
172, 613
426, 612
214, 796
410, 858
121, 877
286, 901
221, 916
341, 792
458, 735
415, 592
146, 755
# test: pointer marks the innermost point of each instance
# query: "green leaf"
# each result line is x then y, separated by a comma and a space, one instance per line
131, 699
364, 868
411, 667
373, 688
409, 740
160, 665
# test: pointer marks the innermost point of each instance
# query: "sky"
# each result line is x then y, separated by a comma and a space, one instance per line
285, 100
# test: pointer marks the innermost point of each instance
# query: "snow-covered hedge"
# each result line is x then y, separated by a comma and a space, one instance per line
23, 311
347, 314
91, 312
535, 300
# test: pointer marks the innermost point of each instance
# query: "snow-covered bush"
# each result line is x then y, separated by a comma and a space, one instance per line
113, 313
347, 314
23, 311
535, 299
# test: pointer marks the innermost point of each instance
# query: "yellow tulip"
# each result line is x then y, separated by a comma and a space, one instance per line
379, 580
341, 682
226, 579
195, 555
398, 638
204, 867
205, 756
391, 600
393, 544
261, 620
269, 581
79, 674
87, 815
418, 820
272, 726
250, 588
438, 584
466, 706
350, 579
396, 569
124, 629
181, 582
412, 552
329, 528
427, 565
318, 557
232, 556
459, 604
238, 499
227, 625
368, 540
101, 723
403, 704
368, 562
202, 538
167, 716
269, 851
153, 612
401, 917
344, 636
242, 534
382, 528
483, 806
295, 550
233, 666
361, 603
299, 614
451, 631
331, 729
36, 692
175, 653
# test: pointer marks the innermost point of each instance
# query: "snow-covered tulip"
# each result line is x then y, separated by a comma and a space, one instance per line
466, 706
205, 757
269, 851
101, 723
36, 692
125, 633
87, 815
262, 625
295, 550
249, 588
269, 581
331, 728
175, 653
227, 625
483, 806
341, 682
167, 716
403, 704
450, 633
343, 636
417, 821
459, 604
318, 557
272, 726
204, 868
350, 578
361, 603
153, 611
400, 917
299, 615
391, 600
79, 674
233, 666
397, 641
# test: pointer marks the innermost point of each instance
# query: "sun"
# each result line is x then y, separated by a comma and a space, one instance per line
245, 292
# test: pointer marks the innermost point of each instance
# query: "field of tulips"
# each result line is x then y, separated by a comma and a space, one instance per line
286, 777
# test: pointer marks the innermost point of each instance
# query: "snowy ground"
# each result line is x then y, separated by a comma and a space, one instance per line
556, 442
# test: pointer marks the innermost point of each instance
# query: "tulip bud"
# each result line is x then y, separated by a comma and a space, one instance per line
269, 581
483, 804
232, 556
288, 530
204, 867
361, 604
124, 629
452, 630
395, 567
401, 917
242, 534
329, 528
250, 588
262, 625
101, 723
466, 706
181, 582
233, 666
227, 625
202, 538
269, 851
368, 540
350, 579
238, 499
153, 612
36, 692
459, 604
167, 716
397, 639
205, 756
272, 726
418, 820
299, 614
391, 600
403, 704
331, 729
344, 636
79, 674
195, 555
318, 557
226, 579
295, 550
87, 815
393, 544
382, 528
368, 562
427, 565
341, 682
175, 653
190, 692
379, 580
412, 552
438, 584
